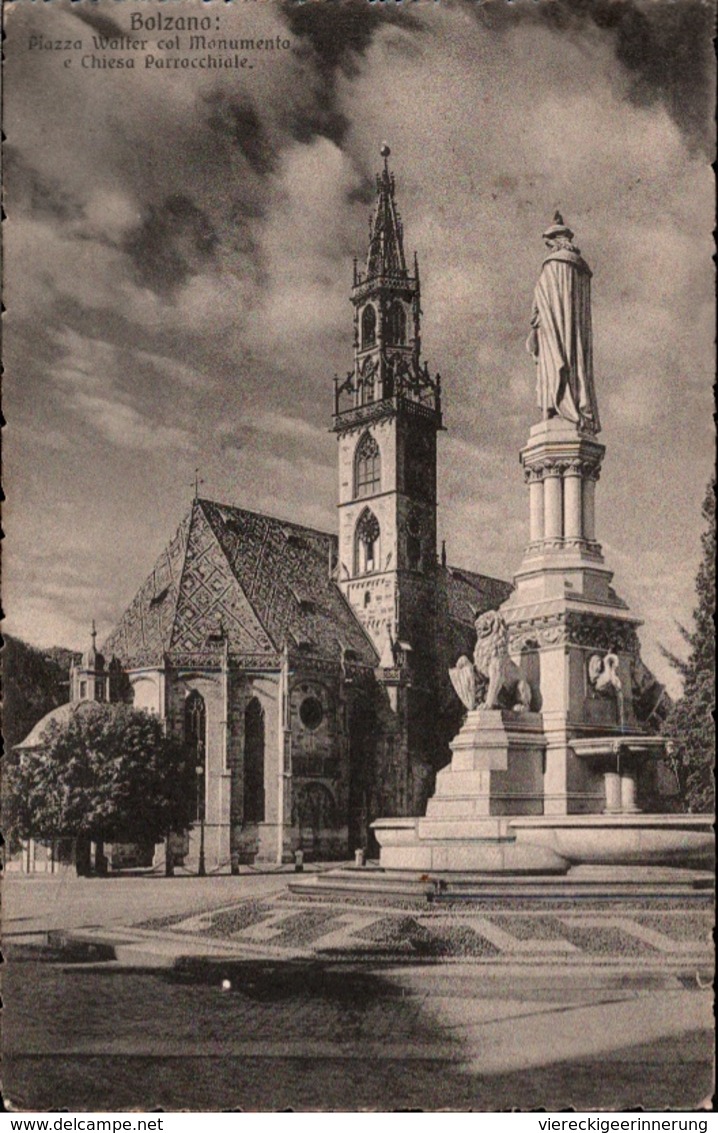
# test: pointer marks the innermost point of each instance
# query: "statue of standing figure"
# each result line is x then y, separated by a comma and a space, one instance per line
561, 339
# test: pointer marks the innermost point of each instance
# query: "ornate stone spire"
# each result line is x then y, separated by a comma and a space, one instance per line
386, 234
387, 320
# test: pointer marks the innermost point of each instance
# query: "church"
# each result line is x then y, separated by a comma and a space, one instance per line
309, 670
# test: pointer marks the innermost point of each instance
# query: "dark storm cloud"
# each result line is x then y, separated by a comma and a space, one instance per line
32, 192
174, 241
322, 120
339, 30
334, 33
363, 194
236, 119
665, 47
99, 23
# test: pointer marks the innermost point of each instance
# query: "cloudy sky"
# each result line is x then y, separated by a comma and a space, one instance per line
178, 261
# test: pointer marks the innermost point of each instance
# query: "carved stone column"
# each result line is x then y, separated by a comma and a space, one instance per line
553, 503
589, 508
536, 507
612, 781
573, 525
628, 791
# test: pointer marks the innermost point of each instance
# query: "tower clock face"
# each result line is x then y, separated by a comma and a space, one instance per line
420, 465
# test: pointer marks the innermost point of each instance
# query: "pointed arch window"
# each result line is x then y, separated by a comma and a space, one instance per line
368, 326
396, 324
254, 762
195, 735
367, 467
366, 544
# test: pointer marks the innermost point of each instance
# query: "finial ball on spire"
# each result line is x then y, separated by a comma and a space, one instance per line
384, 151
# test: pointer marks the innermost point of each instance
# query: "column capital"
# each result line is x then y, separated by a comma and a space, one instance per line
553, 467
555, 464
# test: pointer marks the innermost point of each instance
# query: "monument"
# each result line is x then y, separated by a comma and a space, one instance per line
552, 762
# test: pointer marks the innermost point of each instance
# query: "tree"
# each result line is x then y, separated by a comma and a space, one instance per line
689, 723
34, 682
109, 774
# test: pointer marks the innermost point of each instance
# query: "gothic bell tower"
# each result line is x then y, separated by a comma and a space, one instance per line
387, 413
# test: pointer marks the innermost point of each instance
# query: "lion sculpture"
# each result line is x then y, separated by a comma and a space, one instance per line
492, 670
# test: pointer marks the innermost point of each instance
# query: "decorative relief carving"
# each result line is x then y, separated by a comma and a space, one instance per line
213, 660
547, 464
553, 468
589, 630
602, 633
602, 673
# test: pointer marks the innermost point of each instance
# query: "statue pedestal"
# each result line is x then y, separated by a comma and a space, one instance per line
563, 613
542, 792
496, 771
496, 768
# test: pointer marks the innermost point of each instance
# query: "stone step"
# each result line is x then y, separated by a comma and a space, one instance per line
582, 882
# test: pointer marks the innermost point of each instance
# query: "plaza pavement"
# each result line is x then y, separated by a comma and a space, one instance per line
602, 1007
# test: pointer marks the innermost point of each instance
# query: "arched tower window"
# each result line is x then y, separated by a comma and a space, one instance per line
195, 736
366, 544
367, 467
254, 762
396, 324
368, 326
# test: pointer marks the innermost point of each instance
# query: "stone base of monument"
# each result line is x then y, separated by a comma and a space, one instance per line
482, 846
486, 815
496, 772
548, 845
496, 768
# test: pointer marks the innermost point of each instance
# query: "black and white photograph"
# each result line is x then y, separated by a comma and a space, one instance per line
359, 557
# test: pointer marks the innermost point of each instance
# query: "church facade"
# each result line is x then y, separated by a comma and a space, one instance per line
308, 671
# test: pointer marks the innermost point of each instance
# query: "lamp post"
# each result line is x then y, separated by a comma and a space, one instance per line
201, 870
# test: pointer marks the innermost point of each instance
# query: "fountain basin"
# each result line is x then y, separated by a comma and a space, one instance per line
484, 846
623, 839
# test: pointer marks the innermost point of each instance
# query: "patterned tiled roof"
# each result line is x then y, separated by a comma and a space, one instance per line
255, 580
145, 629
285, 571
258, 583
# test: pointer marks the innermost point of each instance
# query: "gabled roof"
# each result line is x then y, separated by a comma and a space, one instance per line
256, 581
145, 629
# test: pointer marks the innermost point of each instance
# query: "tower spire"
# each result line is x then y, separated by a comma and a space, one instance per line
386, 234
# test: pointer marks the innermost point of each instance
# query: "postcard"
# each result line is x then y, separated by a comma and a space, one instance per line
359, 555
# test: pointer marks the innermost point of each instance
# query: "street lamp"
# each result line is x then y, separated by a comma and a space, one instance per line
199, 769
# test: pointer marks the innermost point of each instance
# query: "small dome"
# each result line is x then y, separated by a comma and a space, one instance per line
61, 715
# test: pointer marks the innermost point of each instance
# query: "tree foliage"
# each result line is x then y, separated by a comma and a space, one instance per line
110, 773
690, 724
34, 682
